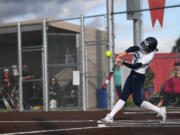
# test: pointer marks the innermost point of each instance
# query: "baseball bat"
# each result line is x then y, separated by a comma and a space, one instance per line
108, 77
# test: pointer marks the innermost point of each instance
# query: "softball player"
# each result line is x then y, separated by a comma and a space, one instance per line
143, 55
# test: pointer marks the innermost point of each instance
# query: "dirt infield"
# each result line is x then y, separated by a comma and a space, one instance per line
85, 123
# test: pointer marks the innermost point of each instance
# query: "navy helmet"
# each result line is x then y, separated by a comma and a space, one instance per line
149, 45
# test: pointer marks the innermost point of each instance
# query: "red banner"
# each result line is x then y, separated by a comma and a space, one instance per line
157, 14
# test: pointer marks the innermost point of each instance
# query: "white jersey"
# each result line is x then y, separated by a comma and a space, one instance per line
143, 58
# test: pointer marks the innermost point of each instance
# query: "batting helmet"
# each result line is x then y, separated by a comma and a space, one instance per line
6, 70
149, 45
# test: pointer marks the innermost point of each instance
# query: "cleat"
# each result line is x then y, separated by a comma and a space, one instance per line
107, 119
162, 113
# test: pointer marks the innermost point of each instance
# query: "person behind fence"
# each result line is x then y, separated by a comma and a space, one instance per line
172, 72
27, 84
148, 84
171, 89
53, 92
143, 56
8, 83
118, 79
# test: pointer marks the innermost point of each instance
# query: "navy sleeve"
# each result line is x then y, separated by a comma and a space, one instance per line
132, 49
132, 66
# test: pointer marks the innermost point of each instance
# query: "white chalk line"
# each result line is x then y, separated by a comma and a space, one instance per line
50, 121
124, 123
172, 112
51, 130
84, 128
170, 122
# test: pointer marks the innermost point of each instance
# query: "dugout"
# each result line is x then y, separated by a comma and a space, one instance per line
64, 57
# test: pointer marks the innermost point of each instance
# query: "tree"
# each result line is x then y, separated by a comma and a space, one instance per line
176, 47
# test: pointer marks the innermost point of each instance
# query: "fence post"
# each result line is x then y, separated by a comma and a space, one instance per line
83, 65
45, 67
110, 34
19, 41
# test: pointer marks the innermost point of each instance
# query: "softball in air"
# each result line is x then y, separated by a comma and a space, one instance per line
108, 53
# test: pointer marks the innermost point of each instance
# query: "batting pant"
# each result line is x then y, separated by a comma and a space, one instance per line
133, 84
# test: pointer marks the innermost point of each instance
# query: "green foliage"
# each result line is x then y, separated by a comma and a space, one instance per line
176, 48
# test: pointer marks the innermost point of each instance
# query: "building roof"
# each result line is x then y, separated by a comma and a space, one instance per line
37, 24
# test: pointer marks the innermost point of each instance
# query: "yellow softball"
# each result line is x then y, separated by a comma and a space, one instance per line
108, 53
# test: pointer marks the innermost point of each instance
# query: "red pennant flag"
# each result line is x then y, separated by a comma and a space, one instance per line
157, 14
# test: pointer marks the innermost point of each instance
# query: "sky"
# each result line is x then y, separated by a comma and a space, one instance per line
20, 10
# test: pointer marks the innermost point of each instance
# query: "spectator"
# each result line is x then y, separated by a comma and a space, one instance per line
148, 84
53, 89
172, 72
8, 83
27, 84
172, 87
118, 80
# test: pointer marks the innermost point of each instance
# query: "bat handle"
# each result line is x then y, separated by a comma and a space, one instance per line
114, 67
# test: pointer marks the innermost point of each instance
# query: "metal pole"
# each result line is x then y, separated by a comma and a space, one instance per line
45, 68
78, 65
20, 66
110, 47
83, 65
137, 28
86, 76
136, 32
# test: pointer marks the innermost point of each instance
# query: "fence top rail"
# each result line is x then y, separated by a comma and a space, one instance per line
61, 34
78, 18
147, 9
119, 12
